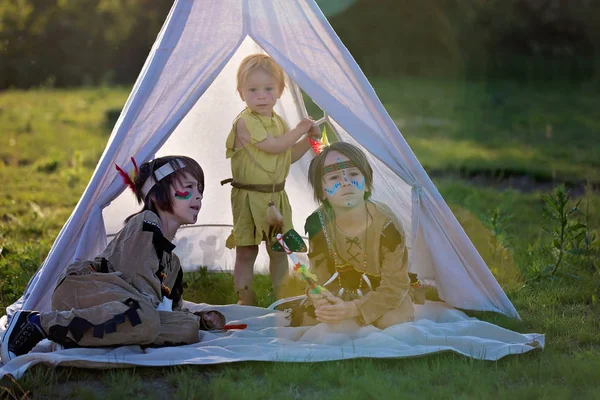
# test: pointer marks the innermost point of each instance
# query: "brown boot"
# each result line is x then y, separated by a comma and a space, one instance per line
246, 297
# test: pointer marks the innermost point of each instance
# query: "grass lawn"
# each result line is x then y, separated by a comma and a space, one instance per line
50, 141
498, 128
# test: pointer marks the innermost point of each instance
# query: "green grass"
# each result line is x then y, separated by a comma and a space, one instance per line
50, 142
542, 131
498, 129
440, 376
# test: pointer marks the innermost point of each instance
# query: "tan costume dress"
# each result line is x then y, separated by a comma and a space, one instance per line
372, 267
252, 166
113, 299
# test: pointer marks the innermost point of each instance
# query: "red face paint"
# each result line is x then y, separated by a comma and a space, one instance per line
182, 195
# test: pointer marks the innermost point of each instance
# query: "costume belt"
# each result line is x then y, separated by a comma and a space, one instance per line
262, 188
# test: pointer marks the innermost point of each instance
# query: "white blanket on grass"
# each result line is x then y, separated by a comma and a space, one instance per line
437, 327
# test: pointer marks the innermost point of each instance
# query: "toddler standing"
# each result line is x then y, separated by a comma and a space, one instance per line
261, 148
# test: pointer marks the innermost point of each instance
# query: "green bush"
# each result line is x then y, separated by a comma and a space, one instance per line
569, 247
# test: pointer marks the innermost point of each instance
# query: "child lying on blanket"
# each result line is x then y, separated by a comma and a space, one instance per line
357, 246
132, 292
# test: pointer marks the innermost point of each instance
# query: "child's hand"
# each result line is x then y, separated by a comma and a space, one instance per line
321, 299
305, 125
210, 320
314, 133
337, 311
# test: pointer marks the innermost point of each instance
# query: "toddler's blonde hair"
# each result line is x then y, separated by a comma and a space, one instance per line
260, 61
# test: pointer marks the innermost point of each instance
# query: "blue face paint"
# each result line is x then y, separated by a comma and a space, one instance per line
344, 175
359, 185
331, 191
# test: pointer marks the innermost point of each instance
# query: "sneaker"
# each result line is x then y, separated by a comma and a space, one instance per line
23, 333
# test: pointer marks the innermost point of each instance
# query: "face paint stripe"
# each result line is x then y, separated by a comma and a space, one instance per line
183, 195
331, 191
359, 185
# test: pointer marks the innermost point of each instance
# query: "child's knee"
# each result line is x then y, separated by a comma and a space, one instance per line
148, 330
246, 254
278, 258
404, 313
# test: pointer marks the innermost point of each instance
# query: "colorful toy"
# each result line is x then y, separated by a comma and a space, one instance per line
318, 146
297, 244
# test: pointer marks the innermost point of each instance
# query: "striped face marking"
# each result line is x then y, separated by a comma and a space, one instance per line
344, 176
359, 185
343, 182
348, 176
183, 195
333, 188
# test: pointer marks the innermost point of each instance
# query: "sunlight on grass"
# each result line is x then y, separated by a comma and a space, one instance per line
501, 124
497, 257
57, 121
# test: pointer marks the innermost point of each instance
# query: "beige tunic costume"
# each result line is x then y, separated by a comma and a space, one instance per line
372, 267
113, 299
255, 173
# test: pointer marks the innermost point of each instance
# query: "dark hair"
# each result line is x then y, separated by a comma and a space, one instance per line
159, 197
315, 170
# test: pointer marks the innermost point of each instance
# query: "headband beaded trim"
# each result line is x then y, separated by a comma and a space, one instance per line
338, 166
160, 174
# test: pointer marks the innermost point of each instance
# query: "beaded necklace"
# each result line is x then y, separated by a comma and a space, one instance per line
341, 267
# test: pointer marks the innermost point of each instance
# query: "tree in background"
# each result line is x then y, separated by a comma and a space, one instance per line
514, 39
70, 43
81, 42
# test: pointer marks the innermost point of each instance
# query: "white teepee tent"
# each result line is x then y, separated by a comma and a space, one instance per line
184, 102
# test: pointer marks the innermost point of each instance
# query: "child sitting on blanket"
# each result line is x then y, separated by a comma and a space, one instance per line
357, 246
132, 292
261, 148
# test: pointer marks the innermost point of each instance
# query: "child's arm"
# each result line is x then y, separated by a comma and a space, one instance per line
395, 282
136, 258
300, 148
275, 145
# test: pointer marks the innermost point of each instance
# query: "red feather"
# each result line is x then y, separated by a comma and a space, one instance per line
126, 178
136, 169
316, 145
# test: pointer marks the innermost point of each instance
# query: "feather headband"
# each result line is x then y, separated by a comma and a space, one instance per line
160, 173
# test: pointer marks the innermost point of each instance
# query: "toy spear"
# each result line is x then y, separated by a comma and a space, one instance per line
299, 268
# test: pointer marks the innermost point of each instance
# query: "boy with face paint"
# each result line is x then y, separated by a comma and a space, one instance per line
132, 292
261, 148
357, 246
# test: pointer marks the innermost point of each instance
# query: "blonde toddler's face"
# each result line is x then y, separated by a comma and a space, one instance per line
260, 92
